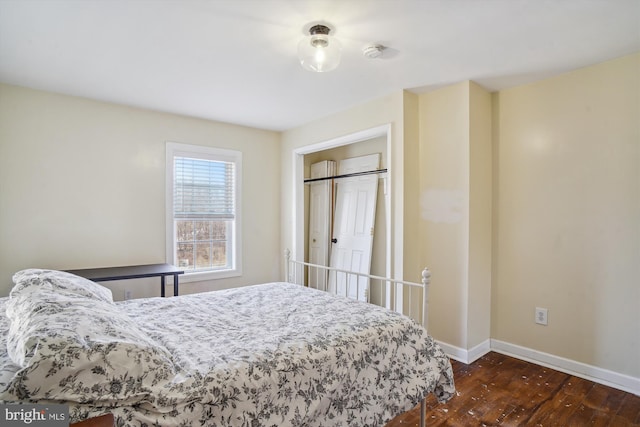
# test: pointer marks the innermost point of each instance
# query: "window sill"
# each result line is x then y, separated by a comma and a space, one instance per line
203, 276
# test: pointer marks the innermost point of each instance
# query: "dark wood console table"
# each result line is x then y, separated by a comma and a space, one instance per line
132, 272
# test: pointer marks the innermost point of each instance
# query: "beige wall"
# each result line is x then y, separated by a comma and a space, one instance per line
444, 208
413, 261
83, 185
455, 211
568, 215
480, 215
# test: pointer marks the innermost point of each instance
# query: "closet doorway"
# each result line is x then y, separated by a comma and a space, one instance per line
372, 141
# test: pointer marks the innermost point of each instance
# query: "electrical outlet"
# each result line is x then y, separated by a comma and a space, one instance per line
541, 316
127, 294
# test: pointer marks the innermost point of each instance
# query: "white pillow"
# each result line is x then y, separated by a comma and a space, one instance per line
33, 279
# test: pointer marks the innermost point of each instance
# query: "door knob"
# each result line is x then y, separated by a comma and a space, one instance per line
334, 240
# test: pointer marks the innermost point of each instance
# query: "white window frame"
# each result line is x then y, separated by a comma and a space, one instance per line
176, 149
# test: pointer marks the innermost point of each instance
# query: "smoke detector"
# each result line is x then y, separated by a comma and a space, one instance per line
372, 51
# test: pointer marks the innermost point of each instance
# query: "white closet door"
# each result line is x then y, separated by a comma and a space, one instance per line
320, 222
355, 214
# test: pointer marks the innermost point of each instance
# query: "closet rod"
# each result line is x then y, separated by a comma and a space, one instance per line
346, 175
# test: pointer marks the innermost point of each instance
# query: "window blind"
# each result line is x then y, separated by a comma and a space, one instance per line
203, 189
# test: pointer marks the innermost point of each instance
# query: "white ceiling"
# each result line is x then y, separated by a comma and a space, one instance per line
235, 60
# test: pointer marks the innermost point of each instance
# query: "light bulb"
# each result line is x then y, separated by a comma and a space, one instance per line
320, 56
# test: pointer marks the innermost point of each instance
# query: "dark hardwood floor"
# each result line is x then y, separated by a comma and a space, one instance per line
498, 390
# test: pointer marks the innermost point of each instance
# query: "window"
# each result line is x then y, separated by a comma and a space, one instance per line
203, 211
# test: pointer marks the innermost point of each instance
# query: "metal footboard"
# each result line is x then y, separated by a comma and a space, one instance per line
409, 298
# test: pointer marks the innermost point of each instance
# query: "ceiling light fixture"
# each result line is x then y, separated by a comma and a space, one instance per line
319, 51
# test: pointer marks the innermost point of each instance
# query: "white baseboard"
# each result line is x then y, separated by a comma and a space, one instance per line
592, 373
466, 356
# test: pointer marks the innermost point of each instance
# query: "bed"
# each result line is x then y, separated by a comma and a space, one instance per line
262, 355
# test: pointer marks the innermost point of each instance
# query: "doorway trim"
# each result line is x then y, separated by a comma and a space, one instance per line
298, 184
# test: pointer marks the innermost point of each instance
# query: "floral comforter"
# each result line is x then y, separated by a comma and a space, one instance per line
267, 355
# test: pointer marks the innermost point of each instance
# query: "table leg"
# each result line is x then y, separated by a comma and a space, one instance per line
161, 286
175, 285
